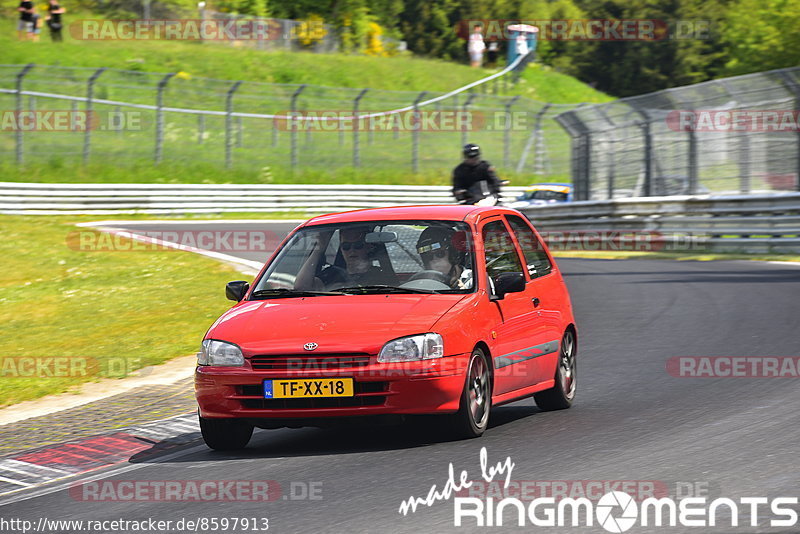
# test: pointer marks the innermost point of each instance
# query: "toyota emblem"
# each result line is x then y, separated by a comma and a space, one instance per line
310, 346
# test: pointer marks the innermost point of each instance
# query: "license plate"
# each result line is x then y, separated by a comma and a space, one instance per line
308, 387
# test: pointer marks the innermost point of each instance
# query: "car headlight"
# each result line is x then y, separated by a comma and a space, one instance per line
220, 353
407, 349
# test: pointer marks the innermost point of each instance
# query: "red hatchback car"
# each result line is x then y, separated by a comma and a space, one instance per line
392, 311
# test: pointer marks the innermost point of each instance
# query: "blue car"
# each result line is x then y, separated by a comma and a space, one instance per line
543, 194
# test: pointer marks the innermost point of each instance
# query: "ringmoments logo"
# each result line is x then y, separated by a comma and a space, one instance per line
615, 511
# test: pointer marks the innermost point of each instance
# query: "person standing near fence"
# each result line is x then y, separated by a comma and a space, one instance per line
476, 46
491, 52
24, 29
54, 21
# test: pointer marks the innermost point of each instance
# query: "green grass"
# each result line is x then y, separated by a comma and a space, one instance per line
400, 73
122, 311
259, 155
180, 173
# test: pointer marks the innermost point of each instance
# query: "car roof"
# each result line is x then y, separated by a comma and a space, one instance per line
445, 212
547, 185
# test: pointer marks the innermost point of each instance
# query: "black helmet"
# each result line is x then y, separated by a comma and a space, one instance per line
436, 238
471, 150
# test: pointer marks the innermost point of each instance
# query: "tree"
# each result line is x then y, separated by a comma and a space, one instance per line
761, 35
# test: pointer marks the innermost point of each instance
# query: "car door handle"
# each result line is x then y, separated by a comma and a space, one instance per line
535, 301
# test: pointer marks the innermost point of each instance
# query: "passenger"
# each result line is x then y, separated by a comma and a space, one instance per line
439, 251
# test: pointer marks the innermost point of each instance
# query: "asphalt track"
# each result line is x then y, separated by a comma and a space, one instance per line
632, 420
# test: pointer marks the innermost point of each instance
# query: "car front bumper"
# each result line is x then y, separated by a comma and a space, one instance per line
421, 387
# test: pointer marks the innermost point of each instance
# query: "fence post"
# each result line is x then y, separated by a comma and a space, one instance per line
87, 137
744, 163
537, 131
293, 109
794, 86
229, 123
692, 162
274, 132
20, 75
356, 153
648, 153
415, 126
464, 108
201, 128
162, 84
587, 166
507, 132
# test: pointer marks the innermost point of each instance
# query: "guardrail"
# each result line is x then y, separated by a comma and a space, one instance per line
79, 199
748, 224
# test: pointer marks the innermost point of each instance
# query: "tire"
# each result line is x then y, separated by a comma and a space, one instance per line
225, 434
472, 417
560, 396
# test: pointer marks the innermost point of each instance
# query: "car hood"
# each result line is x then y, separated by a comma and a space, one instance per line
348, 323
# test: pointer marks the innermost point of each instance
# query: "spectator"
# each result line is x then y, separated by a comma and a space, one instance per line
491, 53
26, 11
35, 27
54, 20
476, 46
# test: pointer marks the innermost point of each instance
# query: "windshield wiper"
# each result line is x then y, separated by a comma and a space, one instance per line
283, 292
379, 288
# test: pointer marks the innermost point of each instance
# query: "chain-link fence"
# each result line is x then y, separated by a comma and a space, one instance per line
137, 118
734, 135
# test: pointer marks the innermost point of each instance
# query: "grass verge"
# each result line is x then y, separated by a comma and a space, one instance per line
107, 314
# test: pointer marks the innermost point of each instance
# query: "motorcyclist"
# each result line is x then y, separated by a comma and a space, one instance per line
475, 180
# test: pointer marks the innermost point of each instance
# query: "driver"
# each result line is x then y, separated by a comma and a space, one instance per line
358, 267
439, 252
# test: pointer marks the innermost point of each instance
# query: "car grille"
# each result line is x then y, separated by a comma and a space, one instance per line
366, 394
301, 362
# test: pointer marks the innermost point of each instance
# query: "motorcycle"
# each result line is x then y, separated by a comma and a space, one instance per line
478, 195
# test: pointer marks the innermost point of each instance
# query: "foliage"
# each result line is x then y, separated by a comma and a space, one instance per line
311, 30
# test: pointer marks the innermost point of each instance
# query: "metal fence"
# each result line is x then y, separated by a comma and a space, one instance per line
734, 135
150, 118
95, 199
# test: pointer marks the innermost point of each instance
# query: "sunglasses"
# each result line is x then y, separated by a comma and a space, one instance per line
437, 253
358, 245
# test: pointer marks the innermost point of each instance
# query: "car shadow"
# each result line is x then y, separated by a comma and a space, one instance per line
356, 438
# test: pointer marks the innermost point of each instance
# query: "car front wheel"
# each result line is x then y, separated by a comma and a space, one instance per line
562, 394
225, 434
472, 417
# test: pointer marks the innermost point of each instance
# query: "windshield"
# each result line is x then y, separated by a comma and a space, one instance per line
374, 257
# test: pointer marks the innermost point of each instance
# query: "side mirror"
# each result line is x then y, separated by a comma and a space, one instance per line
508, 283
236, 290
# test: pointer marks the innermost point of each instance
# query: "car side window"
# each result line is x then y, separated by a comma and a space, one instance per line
532, 248
500, 253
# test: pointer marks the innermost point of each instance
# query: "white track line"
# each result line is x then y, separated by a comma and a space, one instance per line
249, 265
17, 482
199, 221
17, 497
